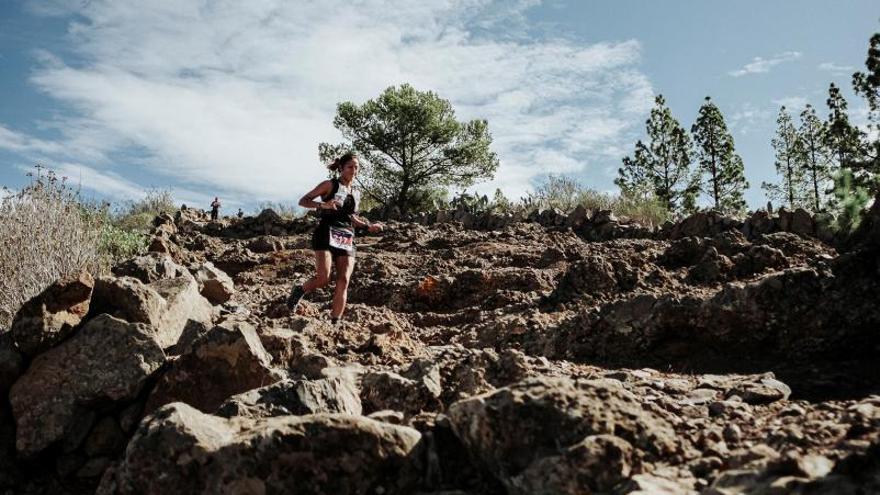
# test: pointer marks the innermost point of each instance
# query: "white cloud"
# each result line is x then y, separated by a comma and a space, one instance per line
234, 97
22, 143
836, 69
794, 104
760, 65
749, 118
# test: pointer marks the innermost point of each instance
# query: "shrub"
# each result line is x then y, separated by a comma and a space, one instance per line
566, 194
849, 202
137, 216
45, 234
557, 191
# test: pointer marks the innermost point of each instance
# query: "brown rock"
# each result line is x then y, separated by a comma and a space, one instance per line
322, 453
265, 244
53, 314
150, 267
106, 362
295, 397
183, 303
214, 283
227, 360
128, 299
166, 305
802, 222
598, 462
512, 429
291, 350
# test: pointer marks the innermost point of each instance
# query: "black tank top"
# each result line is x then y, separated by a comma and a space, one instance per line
342, 215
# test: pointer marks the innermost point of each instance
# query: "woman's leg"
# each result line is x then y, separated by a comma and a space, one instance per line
321, 278
322, 272
344, 267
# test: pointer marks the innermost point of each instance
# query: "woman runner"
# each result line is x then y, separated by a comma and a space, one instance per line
333, 239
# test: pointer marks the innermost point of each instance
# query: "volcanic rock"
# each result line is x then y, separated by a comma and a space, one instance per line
517, 431
227, 360
321, 453
107, 361
214, 284
52, 315
295, 397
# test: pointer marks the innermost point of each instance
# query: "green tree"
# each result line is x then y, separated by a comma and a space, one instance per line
718, 162
500, 203
850, 201
815, 157
410, 145
662, 167
841, 138
789, 157
867, 84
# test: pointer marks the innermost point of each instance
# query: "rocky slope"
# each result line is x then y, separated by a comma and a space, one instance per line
479, 354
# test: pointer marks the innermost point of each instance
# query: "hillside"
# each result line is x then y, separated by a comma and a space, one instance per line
478, 354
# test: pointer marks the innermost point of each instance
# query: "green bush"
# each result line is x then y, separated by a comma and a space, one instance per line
137, 216
118, 244
566, 194
849, 201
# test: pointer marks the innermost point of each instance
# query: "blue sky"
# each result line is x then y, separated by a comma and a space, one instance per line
231, 98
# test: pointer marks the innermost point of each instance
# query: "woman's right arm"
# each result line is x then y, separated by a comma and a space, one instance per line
308, 201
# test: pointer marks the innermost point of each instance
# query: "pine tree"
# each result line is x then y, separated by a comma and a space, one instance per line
662, 167
789, 160
815, 156
411, 147
634, 178
718, 161
867, 84
841, 138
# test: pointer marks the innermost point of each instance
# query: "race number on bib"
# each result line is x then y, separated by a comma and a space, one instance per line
341, 238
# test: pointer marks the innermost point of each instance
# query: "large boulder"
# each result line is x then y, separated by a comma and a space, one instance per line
265, 244
183, 303
166, 304
703, 224
108, 361
53, 314
291, 350
181, 450
558, 428
802, 223
295, 397
214, 284
150, 268
229, 359
128, 299
415, 390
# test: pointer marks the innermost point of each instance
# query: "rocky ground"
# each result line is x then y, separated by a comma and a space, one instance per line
552, 354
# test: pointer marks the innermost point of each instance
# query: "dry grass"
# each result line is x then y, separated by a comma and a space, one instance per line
48, 231
566, 194
45, 233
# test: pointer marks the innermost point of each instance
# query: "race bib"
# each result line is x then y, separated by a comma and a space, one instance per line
341, 238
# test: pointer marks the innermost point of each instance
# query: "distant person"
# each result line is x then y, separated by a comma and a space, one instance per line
215, 208
240, 213
333, 239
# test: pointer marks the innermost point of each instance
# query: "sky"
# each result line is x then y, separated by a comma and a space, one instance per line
227, 98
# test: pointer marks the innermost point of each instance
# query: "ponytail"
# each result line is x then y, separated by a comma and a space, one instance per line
338, 163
